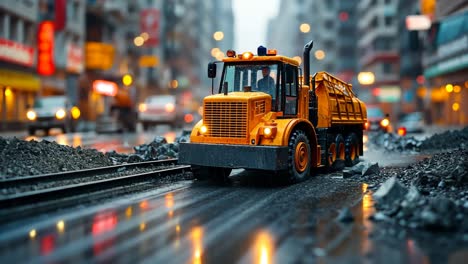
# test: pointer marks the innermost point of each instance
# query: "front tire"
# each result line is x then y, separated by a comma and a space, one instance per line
299, 157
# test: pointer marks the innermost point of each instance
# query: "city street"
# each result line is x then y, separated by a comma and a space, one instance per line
234, 131
252, 220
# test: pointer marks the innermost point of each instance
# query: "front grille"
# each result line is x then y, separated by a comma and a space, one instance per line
226, 119
48, 118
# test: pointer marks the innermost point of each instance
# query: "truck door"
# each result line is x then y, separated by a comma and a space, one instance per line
289, 86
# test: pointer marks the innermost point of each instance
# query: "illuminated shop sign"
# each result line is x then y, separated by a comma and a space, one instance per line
74, 58
16, 53
105, 87
99, 56
45, 58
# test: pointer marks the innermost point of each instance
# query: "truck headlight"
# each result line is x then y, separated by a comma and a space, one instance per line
60, 114
203, 130
269, 132
31, 115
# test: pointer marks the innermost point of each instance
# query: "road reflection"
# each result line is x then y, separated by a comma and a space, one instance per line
264, 248
176, 227
196, 235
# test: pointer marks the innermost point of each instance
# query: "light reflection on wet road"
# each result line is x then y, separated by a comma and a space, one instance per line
203, 223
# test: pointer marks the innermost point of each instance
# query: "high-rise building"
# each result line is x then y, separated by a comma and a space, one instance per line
378, 52
445, 62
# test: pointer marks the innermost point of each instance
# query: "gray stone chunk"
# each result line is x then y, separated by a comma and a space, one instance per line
390, 191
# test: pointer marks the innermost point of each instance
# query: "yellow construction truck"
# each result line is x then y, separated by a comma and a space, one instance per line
266, 116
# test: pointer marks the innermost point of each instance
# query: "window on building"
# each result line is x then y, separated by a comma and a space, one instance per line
14, 28
2, 23
329, 24
29, 34
76, 11
387, 67
388, 21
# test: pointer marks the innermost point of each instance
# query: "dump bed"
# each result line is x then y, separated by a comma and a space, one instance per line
337, 103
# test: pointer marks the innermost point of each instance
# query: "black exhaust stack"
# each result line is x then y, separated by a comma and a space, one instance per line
313, 104
306, 55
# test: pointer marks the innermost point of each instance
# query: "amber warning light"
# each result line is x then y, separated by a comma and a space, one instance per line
105, 87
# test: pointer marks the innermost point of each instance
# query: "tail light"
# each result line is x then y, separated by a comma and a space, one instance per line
401, 131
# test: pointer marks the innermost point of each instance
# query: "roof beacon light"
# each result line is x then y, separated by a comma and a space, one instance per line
261, 51
247, 55
231, 53
272, 52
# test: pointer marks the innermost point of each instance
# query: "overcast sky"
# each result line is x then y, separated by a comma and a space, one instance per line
251, 21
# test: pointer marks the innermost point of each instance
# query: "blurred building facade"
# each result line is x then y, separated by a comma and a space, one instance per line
410, 49
19, 81
378, 52
445, 61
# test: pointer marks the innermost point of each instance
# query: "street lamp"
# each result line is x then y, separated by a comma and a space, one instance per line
304, 28
366, 78
319, 54
218, 35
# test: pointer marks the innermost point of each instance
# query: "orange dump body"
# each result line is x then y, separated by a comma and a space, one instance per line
337, 103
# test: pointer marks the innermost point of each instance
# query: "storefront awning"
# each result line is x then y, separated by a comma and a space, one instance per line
19, 80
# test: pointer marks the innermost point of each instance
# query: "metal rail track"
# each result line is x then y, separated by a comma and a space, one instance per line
46, 194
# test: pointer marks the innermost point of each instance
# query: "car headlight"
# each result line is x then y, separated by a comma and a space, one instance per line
31, 115
142, 107
75, 112
385, 122
60, 114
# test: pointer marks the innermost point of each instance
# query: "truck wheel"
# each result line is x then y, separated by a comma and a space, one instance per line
340, 147
352, 150
331, 157
299, 157
31, 131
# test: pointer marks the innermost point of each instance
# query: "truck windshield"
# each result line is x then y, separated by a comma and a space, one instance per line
256, 77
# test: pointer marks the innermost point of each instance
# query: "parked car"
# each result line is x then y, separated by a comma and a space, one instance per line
52, 112
413, 122
159, 109
377, 120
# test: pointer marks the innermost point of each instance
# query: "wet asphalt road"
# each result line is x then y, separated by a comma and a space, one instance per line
251, 221
199, 222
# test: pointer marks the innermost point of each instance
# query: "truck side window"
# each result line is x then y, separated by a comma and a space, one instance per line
290, 86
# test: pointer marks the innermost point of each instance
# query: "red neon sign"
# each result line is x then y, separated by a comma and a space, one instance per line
45, 58
105, 87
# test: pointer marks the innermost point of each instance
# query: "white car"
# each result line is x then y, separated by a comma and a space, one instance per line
159, 109
413, 122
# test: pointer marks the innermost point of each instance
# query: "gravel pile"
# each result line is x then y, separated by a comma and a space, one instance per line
447, 140
22, 158
25, 158
431, 194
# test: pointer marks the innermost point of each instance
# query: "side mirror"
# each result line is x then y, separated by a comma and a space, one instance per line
211, 70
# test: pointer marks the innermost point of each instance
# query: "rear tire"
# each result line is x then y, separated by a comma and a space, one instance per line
299, 157
352, 150
31, 131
